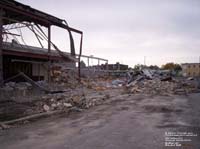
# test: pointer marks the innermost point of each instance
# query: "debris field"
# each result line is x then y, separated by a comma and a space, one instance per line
84, 94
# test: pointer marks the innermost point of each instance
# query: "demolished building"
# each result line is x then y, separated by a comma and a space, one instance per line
31, 61
191, 69
34, 62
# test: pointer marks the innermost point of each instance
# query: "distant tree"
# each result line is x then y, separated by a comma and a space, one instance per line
177, 67
172, 66
155, 67
83, 65
138, 67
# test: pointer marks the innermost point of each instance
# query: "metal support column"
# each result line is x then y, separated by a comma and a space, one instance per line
107, 65
98, 62
88, 61
1, 50
79, 59
49, 51
39, 71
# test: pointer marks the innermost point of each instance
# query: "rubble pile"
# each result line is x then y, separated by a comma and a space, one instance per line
23, 91
65, 77
100, 84
159, 84
65, 101
12, 90
10, 86
66, 93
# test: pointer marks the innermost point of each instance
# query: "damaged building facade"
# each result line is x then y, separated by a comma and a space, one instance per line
34, 62
31, 61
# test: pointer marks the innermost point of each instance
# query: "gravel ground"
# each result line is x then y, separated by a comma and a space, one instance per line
123, 122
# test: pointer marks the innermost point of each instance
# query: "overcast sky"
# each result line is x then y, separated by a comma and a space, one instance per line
128, 30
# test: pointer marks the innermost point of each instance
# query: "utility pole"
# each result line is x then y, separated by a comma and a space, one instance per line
144, 60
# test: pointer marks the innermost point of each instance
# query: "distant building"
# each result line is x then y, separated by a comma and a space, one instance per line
191, 69
32, 61
112, 67
116, 66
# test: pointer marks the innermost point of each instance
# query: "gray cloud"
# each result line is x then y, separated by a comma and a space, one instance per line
126, 30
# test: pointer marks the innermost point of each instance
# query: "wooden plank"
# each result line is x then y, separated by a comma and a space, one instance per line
32, 117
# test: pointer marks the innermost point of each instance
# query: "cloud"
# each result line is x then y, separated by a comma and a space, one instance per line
128, 30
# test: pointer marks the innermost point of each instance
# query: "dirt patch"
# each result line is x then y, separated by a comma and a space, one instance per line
124, 108
160, 109
13, 110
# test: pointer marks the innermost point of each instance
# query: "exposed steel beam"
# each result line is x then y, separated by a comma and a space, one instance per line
79, 59
10, 33
32, 55
49, 56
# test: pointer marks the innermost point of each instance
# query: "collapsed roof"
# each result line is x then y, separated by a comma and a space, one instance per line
12, 12
15, 12
20, 12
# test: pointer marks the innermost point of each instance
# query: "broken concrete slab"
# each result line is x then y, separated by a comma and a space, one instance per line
68, 105
46, 108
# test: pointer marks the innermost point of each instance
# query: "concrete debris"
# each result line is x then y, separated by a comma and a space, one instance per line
157, 83
46, 108
117, 82
53, 105
4, 126
135, 90
190, 78
133, 83
93, 92
168, 78
64, 76
76, 109
63, 101
17, 86
68, 105
148, 73
10, 84
7, 89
